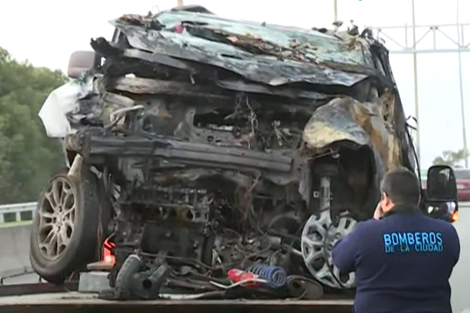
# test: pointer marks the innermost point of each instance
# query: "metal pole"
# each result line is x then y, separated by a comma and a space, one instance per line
462, 102
335, 10
415, 76
179, 2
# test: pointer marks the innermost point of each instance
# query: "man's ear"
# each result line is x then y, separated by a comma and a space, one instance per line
386, 199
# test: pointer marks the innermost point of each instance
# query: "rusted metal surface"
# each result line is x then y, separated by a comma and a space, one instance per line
364, 123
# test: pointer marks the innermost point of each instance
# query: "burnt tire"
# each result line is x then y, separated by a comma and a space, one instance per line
65, 231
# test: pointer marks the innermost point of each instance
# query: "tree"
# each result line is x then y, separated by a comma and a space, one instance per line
451, 158
27, 156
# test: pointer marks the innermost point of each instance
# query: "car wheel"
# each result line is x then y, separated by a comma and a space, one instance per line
65, 233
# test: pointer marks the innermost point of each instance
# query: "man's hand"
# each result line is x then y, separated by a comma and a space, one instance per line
378, 213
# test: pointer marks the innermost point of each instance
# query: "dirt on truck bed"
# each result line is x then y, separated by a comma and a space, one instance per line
217, 157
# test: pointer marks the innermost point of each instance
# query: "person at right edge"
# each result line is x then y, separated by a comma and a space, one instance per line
402, 259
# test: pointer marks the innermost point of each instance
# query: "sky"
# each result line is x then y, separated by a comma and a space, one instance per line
46, 32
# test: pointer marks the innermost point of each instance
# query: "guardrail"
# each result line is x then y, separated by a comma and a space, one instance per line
17, 212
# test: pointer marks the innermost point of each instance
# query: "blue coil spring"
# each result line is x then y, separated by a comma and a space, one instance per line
275, 275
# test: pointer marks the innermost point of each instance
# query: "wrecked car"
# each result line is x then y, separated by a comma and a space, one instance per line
204, 149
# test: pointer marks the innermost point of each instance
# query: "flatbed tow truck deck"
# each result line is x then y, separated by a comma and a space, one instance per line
43, 297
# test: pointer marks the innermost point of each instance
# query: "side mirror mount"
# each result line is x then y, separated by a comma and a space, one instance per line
441, 193
81, 61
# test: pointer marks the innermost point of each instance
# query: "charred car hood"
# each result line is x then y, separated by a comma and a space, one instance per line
273, 55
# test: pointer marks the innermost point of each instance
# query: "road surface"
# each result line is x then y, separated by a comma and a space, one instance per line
14, 245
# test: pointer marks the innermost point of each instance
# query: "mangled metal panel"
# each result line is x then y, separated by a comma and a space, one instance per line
285, 42
268, 54
344, 120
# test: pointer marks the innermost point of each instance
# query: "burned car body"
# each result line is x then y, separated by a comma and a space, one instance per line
218, 144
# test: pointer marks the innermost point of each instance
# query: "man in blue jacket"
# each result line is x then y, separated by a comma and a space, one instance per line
402, 259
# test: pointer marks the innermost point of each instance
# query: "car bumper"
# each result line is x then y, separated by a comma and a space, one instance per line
92, 145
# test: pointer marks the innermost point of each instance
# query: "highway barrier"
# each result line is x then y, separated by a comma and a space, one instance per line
14, 244
18, 212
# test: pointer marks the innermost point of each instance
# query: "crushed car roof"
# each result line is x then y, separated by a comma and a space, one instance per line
269, 54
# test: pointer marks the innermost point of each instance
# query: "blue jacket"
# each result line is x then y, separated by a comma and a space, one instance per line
402, 262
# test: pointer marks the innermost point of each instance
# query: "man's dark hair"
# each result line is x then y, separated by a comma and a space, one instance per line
401, 186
